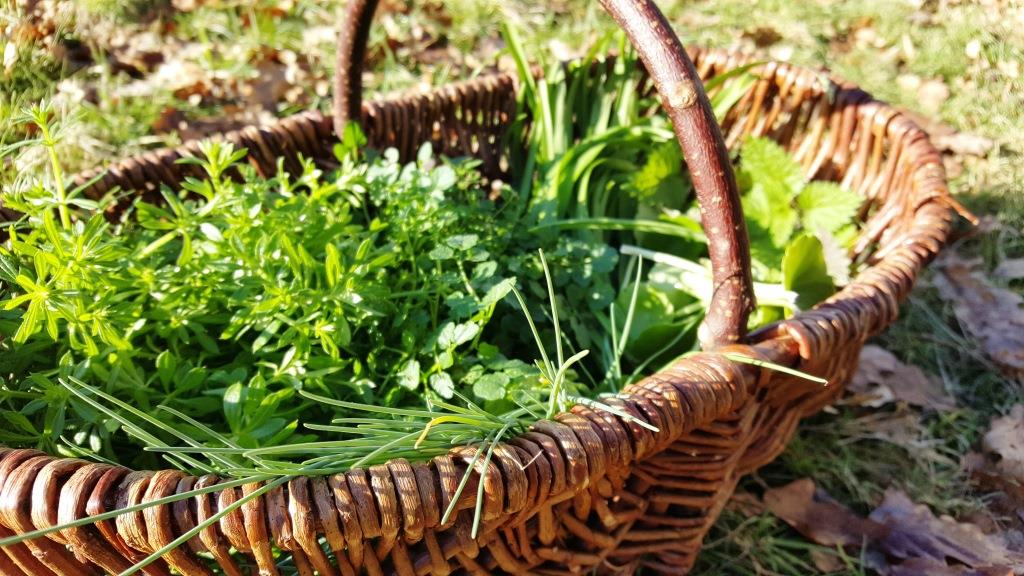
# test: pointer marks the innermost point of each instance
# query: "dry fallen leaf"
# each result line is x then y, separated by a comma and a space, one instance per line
999, 471
928, 567
991, 315
745, 503
1011, 269
826, 561
963, 144
914, 532
817, 516
1005, 439
883, 378
907, 535
931, 95
945, 137
1004, 496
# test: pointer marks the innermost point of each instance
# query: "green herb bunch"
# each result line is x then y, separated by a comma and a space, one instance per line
382, 304
225, 300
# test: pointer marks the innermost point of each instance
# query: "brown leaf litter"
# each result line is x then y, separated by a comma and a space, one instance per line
999, 469
904, 538
1010, 269
882, 378
990, 315
1006, 440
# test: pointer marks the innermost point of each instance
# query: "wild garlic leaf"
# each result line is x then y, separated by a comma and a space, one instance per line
805, 272
234, 398
827, 206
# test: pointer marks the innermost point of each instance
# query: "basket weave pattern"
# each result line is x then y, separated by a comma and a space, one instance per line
587, 492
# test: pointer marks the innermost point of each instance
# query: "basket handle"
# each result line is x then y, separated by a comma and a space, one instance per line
699, 136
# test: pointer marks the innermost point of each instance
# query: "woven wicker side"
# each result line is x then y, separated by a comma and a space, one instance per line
590, 491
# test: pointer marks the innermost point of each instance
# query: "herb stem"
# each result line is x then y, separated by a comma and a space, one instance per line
58, 174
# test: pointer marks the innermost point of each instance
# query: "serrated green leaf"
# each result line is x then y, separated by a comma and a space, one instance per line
774, 179
767, 163
770, 218
825, 206
663, 163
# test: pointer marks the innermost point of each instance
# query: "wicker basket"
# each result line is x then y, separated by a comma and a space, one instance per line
588, 492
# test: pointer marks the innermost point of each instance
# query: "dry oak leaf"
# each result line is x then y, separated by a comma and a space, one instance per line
1005, 438
813, 513
929, 567
882, 377
991, 315
1010, 269
1004, 495
909, 535
914, 532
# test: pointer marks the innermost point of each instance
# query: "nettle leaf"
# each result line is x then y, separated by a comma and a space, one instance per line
491, 386
774, 179
409, 376
827, 206
766, 162
769, 216
805, 272
442, 384
660, 173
